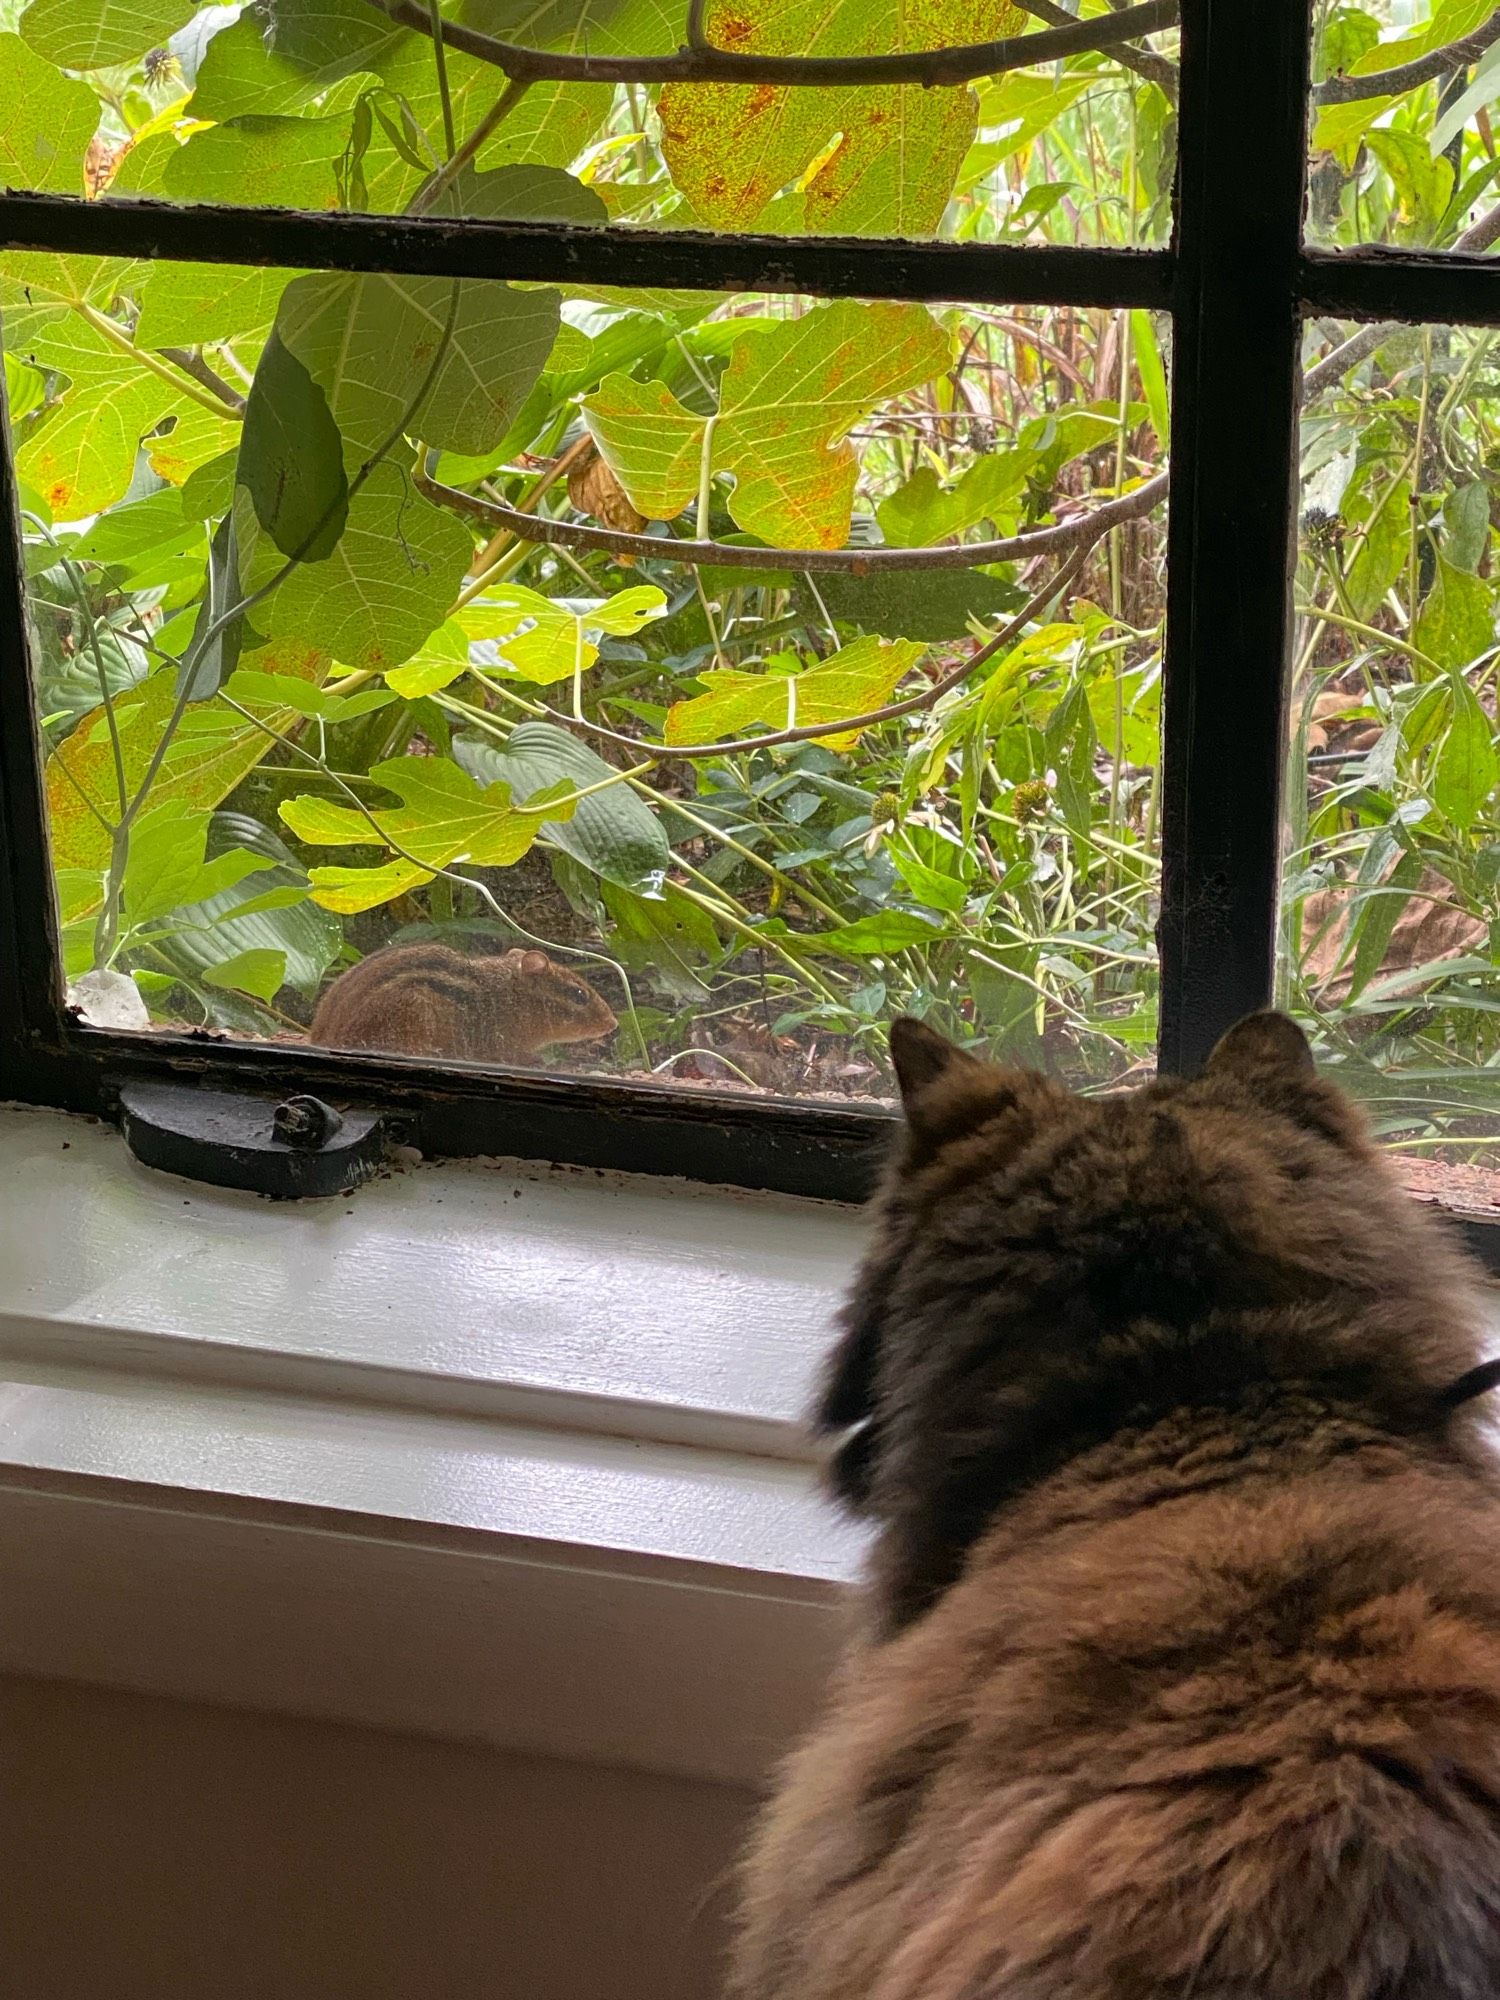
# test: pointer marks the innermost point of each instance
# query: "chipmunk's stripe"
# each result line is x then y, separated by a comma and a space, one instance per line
446, 985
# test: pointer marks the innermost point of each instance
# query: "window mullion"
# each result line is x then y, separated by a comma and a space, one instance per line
1234, 420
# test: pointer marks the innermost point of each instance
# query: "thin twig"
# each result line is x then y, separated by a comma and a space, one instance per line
1406, 76
431, 192
1060, 538
711, 65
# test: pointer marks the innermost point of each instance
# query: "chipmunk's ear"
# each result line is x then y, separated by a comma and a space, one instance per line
534, 961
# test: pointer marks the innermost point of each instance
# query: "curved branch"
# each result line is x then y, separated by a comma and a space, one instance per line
1154, 68
809, 732
1063, 537
1406, 76
713, 65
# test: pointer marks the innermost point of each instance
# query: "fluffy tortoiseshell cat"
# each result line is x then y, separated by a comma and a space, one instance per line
1178, 1674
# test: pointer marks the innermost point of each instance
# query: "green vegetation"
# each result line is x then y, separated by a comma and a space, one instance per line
345, 628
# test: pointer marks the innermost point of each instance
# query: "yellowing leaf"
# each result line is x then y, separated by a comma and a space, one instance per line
788, 398
348, 891
854, 681
543, 639
202, 766
732, 147
437, 662
444, 817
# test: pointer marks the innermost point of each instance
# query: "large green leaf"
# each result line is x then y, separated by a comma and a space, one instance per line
1380, 555
613, 833
129, 541
788, 398
857, 679
184, 305
260, 161
242, 74
528, 193
444, 818
398, 566
322, 41
92, 34
291, 459
369, 341
46, 122
732, 147
666, 935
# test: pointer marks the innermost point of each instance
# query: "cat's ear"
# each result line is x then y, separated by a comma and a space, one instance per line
1267, 1057
946, 1093
923, 1059
1263, 1046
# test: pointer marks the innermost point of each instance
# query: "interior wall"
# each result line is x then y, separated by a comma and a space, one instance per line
155, 1850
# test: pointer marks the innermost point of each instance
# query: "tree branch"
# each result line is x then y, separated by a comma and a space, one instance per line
194, 365
1406, 76
1061, 538
713, 65
1155, 69
1360, 346
809, 732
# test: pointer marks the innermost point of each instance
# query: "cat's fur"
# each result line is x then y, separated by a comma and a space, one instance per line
1178, 1675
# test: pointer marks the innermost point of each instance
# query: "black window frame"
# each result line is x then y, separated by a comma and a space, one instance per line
1238, 281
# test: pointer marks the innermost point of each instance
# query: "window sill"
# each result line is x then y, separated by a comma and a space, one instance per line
488, 1450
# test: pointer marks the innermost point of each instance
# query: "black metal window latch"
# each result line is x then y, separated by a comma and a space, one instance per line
293, 1149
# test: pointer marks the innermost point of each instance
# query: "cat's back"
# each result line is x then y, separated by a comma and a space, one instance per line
1225, 1743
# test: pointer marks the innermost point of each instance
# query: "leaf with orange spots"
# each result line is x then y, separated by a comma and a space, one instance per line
788, 399
893, 151
211, 752
82, 458
399, 564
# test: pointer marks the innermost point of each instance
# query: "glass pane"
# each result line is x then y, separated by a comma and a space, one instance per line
442, 789
338, 108
1394, 839
1402, 143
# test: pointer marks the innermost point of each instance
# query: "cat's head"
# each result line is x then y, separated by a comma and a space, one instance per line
1048, 1268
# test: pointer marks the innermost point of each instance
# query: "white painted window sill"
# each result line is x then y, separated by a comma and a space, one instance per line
489, 1449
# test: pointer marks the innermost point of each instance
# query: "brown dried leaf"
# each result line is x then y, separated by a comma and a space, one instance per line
594, 489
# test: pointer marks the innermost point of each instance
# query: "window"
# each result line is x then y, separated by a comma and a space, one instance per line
689, 537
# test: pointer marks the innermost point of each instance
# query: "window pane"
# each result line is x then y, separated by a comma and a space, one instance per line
427, 729
1402, 145
1394, 840
339, 109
